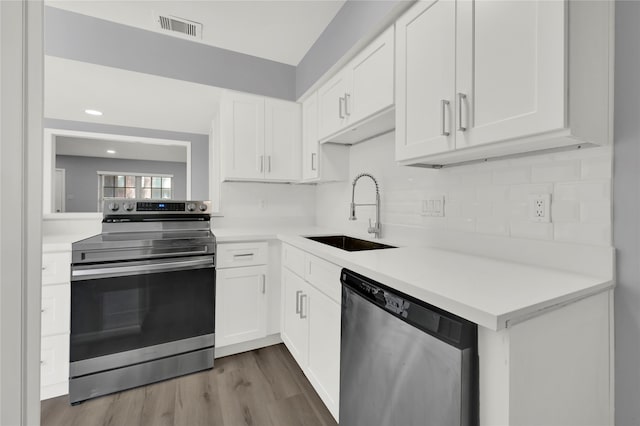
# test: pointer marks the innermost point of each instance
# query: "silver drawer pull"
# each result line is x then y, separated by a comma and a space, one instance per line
313, 161
243, 255
461, 100
340, 113
443, 111
264, 283
302, 314
298, 293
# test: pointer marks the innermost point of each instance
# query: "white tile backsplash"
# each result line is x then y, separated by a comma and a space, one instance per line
486, 198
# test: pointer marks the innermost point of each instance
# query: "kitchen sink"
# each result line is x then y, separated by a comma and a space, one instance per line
348, 243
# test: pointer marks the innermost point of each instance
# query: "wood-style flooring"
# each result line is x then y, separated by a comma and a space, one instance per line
261, 387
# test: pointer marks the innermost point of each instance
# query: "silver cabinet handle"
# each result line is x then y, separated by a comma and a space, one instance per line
243, 255
313, 161
268, 164
346, 104
298, 293
461, 100
443, 112
302, 314
264, 283
262, 164
340, 113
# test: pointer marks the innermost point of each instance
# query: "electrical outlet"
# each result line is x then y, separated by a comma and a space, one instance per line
433, 206
540, 208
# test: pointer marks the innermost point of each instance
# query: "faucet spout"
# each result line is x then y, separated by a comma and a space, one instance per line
376, 228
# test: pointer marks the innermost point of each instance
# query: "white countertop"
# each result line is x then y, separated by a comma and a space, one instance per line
489, 292
492, 293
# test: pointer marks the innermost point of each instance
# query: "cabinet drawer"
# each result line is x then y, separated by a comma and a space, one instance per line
54, 359
324, 276
293, 259
56, 268
234, 255
56, 309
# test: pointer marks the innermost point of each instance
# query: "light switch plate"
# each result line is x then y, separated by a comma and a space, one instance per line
432, 206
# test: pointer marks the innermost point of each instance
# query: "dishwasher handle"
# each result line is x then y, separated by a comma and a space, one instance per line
439, 323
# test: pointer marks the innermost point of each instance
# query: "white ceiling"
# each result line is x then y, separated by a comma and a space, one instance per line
84, 147
281, 31
126, 98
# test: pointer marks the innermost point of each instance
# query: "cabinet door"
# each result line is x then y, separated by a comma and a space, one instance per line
371, 79
241, 301
295, 327
283, 140
331, 105
324, 348
242, 136
55, 309
425, 79
511, 68
310, 138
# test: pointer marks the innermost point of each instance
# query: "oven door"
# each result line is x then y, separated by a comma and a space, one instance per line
129, 312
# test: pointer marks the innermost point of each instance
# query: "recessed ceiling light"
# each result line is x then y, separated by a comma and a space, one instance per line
92, 112
110, 151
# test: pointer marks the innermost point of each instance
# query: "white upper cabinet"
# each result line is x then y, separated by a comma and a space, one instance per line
260, 138
361, 91
331, 102
310, 138
283, 123
511, 70
327, 162
478, 79
242, 136
371, 79
425, 64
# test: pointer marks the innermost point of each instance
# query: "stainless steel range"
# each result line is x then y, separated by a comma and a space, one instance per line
142, 297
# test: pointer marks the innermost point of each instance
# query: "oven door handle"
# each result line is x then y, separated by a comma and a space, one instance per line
149, 268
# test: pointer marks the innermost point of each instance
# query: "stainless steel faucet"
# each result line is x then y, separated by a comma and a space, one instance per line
376, 228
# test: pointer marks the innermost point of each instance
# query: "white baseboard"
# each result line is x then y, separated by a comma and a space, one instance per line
54, 390
272, 339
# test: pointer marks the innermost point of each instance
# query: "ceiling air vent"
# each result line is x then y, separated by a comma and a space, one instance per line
180, 25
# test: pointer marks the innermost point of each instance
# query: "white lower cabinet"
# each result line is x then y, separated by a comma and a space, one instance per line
54, 365
311, 321
295, 324
242, 308
324, 348
55, 316
242, 292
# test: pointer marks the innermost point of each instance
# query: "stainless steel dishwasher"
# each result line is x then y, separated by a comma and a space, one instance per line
404, 362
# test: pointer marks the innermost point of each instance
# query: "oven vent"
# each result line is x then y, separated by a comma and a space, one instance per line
180, 25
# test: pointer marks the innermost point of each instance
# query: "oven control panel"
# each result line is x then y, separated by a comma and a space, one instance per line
154, 207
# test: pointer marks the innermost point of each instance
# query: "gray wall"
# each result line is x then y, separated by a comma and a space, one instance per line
81, 181
626, 214
354, 21
87, 39
199, 147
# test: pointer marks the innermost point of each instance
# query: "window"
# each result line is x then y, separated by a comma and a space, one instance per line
113, 185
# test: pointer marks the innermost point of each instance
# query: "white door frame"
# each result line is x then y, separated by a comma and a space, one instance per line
21, 106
